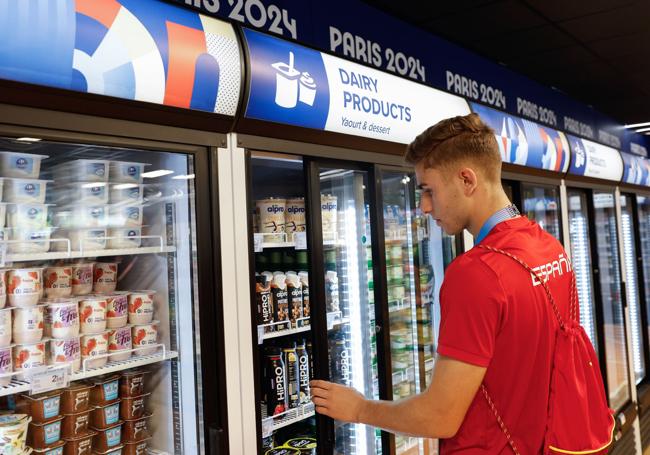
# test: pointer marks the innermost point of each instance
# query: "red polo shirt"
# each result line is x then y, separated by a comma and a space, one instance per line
492, 315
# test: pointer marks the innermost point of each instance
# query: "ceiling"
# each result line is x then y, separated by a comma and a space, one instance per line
596, 51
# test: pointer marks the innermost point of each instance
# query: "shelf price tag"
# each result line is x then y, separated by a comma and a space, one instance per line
258, 243
260, 334
420, 234
51, 379
300, 239
3, 253
267, 427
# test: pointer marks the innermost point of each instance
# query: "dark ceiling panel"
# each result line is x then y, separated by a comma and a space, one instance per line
559, 10
621, 46
523, 44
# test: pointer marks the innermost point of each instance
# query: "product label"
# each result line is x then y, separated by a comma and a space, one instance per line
110, 390
132, 213
117, 306
120, 339
24, 164
112, 413
134, 193
96, 169
113, 436
5, 360
82, 275
96, 192
66, 316
132, 171
52, 432
57, 451
51, 407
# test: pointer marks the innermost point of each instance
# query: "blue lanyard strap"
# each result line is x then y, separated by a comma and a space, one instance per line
504, 214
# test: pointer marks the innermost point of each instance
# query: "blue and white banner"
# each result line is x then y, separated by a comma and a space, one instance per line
524, 142
590, 159
636, 170
298, 86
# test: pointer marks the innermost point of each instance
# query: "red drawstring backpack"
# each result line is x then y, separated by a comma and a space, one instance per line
579, 420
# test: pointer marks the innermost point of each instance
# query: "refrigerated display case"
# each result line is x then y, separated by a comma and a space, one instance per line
109, 232
580, 242
632, 287
613, 325
541, 203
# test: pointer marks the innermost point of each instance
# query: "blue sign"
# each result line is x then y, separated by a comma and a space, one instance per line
590, 159
524, 142
636, 170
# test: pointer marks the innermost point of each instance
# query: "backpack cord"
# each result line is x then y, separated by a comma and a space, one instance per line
572, 313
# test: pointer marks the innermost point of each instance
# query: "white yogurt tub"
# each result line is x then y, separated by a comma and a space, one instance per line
126, 193
29, 240
93, 345
82, 278
28, 324
87, 193
20, 165
82, 216
27, 357
90, 239
105, 277
5, 327
27, 215
127, 172
144, 335
83, 170
61, 318
6, 365
122, 238
92, 313
24, 286
3, 288
119, 339
3, 213
141, 306
13, 433
117, 309
25, 191
120, 216
65, 351
58, 281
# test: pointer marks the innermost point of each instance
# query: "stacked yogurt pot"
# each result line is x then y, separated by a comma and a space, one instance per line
23, 212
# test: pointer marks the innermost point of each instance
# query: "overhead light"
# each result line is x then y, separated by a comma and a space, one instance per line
643, 130
125, 186
183, 177
28, 139
158, 173
637, 125
93, 184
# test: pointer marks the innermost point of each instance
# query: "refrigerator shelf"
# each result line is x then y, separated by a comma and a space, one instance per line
335, 318
19, 386
262, 335
296, 240
271, 424
88, 254
404, 375
398, 305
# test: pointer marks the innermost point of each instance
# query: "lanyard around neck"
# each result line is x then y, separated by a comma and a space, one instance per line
504, 214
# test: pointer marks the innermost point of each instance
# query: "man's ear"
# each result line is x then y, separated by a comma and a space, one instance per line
469, 180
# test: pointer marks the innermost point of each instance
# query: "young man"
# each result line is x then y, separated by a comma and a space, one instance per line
497, 327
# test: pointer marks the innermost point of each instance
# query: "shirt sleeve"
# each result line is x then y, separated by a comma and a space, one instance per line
471, 304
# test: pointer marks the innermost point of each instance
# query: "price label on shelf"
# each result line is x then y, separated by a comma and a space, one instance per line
51, 379
267, 427
300, 238
260, 334
3, 253
420, 234
258, 243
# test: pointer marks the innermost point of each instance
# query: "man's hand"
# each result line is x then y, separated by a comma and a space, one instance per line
337, 401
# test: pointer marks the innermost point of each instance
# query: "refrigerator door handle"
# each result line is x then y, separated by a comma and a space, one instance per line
216, 440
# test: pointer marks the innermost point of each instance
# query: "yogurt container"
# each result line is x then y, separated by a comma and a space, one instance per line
141, 305
126, 172
5, 327
29, 240
80, 445
58, 281
13, 431
20, 165
83, 170
25, 191
108, 439
3, 213
92, 313
6, 365
117, 305
3, 287
61, 318
119, 340
125, 216
89, 239
43, 407
28, 324
126, 193
94, 345
27, 215
120, 238
42, 435
54, 449
66, 351
83, 193
82, 216
82, 278
105, 277
27, 357
271, 215
144, 335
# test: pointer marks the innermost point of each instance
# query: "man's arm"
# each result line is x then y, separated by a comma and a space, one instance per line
436, 413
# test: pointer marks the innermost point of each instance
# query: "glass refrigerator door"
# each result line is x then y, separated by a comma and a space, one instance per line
352, 345
542, 204
105, 239
610, 290
632, 287
643, 210
581, 260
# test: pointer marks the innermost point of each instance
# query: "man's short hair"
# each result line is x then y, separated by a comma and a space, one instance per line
462, 139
